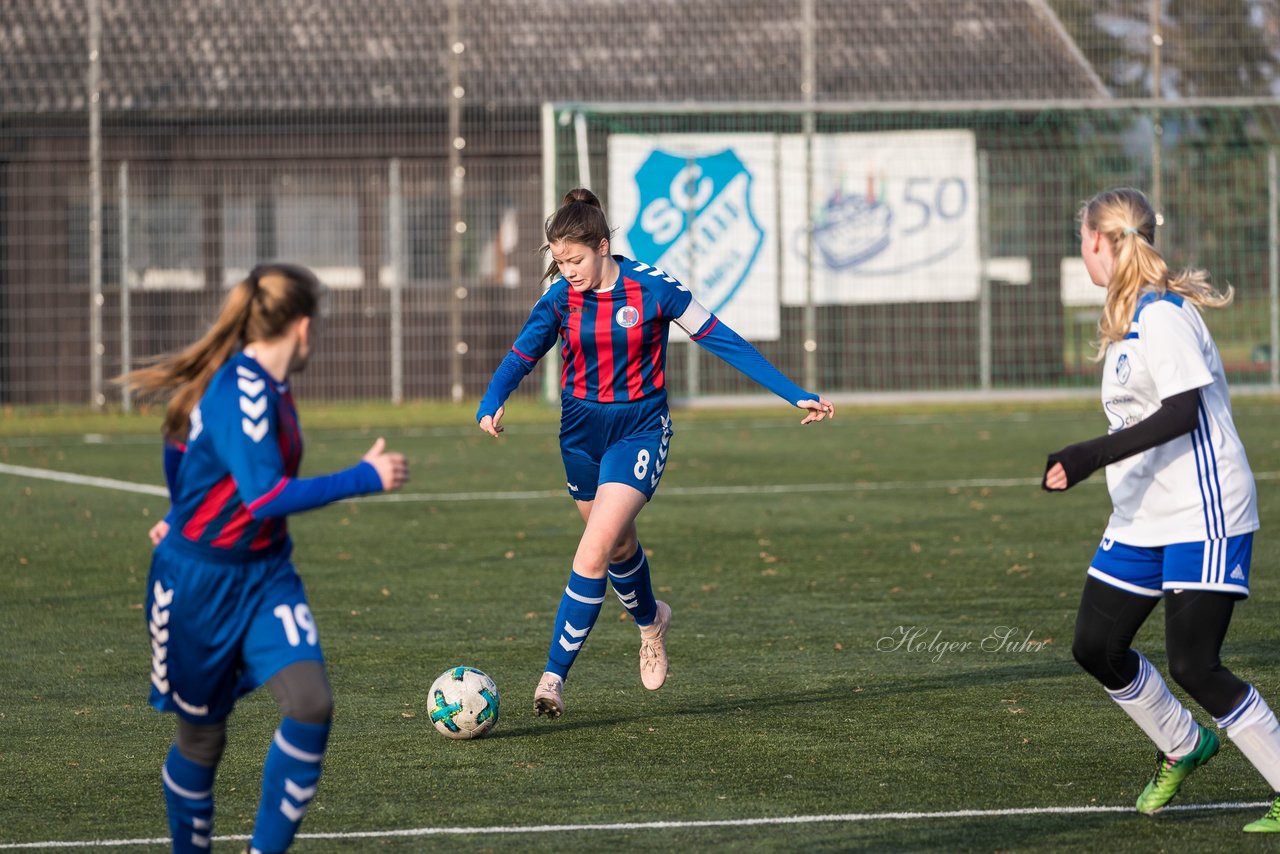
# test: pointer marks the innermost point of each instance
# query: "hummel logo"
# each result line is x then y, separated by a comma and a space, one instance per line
573, 487
252, 388
1238, 573
254, 431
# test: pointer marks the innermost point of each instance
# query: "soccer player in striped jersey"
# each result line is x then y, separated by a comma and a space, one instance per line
226, 609
1184, 506
612, 316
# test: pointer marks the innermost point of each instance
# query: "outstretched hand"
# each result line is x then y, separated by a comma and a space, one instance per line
492, 424
818, 409
392, 468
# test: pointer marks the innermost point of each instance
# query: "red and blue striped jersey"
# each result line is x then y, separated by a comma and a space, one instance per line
243, 449
613, 342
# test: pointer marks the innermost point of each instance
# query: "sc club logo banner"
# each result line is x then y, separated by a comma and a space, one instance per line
702, 208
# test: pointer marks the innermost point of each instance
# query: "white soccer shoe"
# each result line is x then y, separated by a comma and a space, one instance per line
653, 648
548, 699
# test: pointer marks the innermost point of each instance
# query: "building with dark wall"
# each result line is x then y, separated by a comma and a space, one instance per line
270, 129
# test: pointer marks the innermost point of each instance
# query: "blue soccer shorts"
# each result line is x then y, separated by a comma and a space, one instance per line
219, 630
1221, 564
614, 443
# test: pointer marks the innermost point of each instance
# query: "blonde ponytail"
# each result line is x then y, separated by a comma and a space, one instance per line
1125, 218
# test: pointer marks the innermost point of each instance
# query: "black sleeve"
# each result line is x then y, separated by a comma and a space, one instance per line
1176, 416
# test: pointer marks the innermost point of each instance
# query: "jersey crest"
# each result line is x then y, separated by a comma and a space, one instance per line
696, 215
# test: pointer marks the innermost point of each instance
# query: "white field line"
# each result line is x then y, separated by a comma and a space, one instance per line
524, 495
838, 818
84, 480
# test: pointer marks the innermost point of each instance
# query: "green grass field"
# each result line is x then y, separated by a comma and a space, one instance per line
788, 555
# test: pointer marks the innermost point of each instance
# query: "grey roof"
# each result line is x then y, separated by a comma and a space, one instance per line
219, 55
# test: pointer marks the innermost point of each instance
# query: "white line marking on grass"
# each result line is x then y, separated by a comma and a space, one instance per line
838, 818
84, 480
524, 495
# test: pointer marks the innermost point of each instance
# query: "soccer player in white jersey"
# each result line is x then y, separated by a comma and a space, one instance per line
1184, 507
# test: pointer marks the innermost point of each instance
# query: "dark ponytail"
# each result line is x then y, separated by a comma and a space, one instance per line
579, 219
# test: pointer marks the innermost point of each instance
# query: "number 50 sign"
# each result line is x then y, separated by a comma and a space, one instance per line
894, 218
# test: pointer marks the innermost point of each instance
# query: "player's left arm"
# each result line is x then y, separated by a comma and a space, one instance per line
252, 453
1176, 417
715, 336
1174, 353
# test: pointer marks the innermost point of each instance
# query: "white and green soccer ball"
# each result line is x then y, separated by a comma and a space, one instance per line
463, 703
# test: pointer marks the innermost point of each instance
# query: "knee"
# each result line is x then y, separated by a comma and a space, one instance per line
202, 745
624, 550
302, 692
1100, 658
1192, 672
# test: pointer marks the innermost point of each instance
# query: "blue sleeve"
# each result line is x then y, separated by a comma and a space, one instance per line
509, 374
296, 495
172, 459
535, 339
245, 428
718, 338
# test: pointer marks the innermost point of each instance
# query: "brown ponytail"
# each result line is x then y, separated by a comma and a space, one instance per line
259, 308
579, 219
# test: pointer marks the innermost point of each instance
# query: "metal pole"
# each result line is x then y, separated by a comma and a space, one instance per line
1157, 130
808, 87
456, 175
550, 380
126, 330
1273, 243
584, 151
96, 350
693, 363
395, 222
984, 255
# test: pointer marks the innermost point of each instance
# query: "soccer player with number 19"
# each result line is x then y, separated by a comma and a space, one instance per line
225, 608
1184, 507
613, 315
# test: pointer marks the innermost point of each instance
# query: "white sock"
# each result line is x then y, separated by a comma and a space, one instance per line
1165, 721
1254, 729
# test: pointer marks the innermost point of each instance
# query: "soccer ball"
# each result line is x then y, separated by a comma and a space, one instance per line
463, 703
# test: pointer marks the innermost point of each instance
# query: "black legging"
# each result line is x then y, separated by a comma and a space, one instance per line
1195, 624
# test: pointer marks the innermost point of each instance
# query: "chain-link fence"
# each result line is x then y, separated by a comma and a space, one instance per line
408, 150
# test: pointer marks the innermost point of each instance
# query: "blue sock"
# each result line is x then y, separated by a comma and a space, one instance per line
631, 582
579, 607
289, 779
188, 792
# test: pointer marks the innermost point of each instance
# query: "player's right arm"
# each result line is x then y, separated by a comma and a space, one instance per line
536, 337
173, 454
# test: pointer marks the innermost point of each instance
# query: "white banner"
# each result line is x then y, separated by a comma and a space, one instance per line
895, 218
704, 208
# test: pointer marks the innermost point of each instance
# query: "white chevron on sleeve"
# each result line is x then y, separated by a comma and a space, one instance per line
253, 409
254, 431
253, 388
242, 371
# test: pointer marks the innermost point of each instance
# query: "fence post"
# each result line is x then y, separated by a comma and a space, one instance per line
984, 255
395, 223
96, 397
808, 90
1273, 246
126, 330
550, 381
